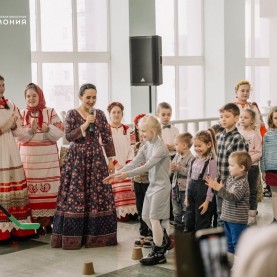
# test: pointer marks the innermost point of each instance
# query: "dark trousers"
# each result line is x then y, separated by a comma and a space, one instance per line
179, 209
253, 175
171, 215
140, 190
197, 193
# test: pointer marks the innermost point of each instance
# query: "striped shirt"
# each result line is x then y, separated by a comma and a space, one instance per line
235, 196
227, 143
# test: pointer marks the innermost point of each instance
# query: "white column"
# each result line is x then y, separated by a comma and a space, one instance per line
224, 51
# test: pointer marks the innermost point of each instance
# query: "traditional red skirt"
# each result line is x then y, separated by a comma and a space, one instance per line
271, 178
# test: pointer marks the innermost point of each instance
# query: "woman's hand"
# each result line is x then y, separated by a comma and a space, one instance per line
213, 183
9, 124
14, 125
204, 207
45, 128
90, 119
111, 167
34, 126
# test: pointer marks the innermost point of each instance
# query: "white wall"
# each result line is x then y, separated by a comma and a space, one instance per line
15, 53
119, 45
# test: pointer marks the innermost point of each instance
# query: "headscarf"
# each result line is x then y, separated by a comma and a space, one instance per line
41, 104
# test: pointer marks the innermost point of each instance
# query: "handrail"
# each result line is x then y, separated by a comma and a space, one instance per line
188, 125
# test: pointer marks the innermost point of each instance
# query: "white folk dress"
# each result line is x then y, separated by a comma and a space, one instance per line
40, 158
13, 185
125, 199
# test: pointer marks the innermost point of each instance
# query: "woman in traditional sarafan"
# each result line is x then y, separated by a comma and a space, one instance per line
39, 155
13, 185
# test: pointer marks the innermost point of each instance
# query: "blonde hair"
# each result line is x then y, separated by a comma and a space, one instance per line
242, 82
152, 124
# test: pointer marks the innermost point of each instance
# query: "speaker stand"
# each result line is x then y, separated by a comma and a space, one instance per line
150, 100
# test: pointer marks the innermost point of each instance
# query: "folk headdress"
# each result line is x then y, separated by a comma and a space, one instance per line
138, 117
41, 104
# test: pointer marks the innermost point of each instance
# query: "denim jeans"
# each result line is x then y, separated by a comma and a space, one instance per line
233, 232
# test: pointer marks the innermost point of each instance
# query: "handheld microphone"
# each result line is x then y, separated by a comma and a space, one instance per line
91, 125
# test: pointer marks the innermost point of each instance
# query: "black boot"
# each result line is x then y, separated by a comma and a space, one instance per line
154, 257
166, 241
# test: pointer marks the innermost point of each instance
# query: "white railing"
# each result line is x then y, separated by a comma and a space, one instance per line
189, 125
194, 125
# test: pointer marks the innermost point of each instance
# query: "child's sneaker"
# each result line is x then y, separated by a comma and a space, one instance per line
156, 256
167, 242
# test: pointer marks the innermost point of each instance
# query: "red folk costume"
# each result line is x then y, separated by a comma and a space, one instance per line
13, 186
39, 155
125, 199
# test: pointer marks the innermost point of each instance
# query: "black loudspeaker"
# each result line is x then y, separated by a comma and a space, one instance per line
146, 61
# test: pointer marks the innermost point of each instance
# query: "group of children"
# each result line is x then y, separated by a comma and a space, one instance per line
217, 186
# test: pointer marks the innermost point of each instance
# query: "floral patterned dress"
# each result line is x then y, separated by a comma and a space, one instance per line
85, 212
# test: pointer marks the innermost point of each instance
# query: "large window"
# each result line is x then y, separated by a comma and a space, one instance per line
179, 22
257, 53
69, 52
75, 50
